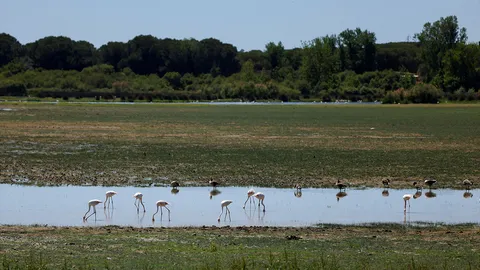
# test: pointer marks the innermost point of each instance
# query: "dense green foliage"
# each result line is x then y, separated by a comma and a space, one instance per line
346, 66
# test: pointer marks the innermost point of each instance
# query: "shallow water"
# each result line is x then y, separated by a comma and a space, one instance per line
193, 206
212, 103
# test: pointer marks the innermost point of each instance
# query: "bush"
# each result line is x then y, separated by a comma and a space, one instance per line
394, 97
12, 88
425, 93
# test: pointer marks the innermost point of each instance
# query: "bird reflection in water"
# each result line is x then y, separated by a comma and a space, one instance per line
298, 191
467, 195
108, 214
430, 194
140, 218
251, 213
174, 191
385, 193
405, 214
214, 192
340, 195
417, 194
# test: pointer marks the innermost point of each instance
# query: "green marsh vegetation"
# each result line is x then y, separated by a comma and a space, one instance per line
271, 145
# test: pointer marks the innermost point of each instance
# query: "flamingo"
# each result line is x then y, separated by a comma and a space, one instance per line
108, 197
249, 197
260, 196
467, 183
139, 197
225, 204
92, 203
161, 204
406, 198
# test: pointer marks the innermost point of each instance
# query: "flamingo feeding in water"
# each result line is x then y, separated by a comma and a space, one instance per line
139, 197
161, 204
260, 196
406, 198
108, 197
225, 204
92, 203
249, 197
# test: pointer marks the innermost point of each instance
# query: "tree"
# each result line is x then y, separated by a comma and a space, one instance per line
112, 53
52, 52
10, 48
357, 50
321, 60
275, 54
435, 40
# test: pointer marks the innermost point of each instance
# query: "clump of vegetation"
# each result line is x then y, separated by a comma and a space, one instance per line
348, 66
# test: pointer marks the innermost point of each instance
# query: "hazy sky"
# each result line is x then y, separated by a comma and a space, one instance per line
247, 24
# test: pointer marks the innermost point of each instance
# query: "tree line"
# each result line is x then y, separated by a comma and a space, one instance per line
350, 65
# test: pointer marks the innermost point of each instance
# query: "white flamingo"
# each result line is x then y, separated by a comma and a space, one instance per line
108, 197
406, 198
161, 204
92, 203
225, 204
249, 197
260, 196
139, 197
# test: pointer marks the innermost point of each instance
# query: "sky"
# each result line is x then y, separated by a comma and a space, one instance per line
247, 24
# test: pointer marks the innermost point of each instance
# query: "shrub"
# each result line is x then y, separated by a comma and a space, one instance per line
12, 88
425, 93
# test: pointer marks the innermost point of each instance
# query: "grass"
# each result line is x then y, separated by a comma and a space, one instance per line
330, 247
270, 145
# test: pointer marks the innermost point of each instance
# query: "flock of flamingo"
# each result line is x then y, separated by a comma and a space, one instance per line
251, 195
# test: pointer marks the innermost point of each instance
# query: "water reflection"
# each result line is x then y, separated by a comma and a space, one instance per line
297, 193
174, 191
108, 212
417, 194
30, 205
340, 195
385, 193
214, 192
140, 218
467, 195
430, 194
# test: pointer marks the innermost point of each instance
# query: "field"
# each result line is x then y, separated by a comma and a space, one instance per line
385, 246
274, 145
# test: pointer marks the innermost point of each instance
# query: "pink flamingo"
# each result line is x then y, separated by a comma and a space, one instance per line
249, 197
139, 197
161, 204
225, 204
260, 196
406, 198
92, 203
108, 197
